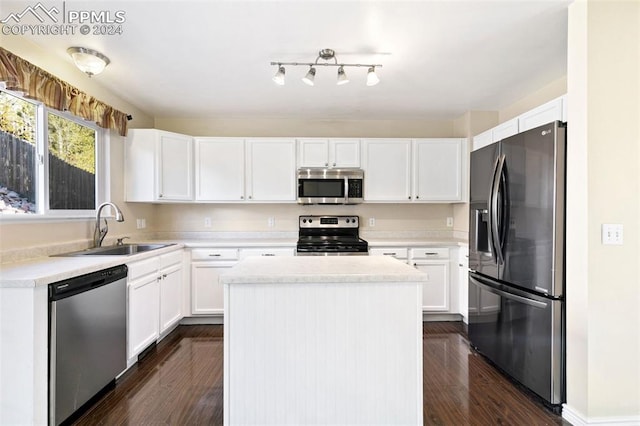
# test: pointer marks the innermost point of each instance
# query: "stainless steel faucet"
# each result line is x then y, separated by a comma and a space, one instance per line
100, 233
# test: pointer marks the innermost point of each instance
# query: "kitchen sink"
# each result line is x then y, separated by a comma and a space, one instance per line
123, 250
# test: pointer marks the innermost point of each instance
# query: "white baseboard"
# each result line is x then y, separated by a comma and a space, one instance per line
578, 419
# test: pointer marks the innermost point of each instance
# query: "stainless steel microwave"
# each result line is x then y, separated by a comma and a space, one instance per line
330, 186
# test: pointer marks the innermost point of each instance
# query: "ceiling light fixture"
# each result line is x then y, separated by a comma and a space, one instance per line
88, 61
310, 77
326, 55
279, 77
372, 77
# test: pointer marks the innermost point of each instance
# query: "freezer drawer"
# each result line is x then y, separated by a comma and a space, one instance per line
521, 333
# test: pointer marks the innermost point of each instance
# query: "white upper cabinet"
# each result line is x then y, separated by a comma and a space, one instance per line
237, 170
506, 129
271, 169
158, 166
219, 169
437, 166
334, 152
546, 113
387, 169
421, 170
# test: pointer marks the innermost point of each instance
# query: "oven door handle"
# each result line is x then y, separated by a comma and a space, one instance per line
514, 297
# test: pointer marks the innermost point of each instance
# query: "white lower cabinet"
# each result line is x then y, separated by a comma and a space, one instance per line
155, 299
207, 264
436, 292
206, 290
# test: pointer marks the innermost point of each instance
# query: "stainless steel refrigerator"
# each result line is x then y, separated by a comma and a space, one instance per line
516, 258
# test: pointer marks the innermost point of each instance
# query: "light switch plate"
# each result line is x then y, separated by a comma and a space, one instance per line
207, 222
372, 221
449, 222
612, 234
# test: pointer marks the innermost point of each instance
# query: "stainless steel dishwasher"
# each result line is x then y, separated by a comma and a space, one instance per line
87, 338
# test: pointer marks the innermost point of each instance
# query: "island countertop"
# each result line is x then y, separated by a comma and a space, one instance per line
321, 269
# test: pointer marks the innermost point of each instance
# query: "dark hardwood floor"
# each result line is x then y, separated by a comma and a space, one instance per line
180, 383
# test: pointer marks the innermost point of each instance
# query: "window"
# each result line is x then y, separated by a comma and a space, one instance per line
50, 161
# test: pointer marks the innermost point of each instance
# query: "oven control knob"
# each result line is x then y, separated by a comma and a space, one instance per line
304, 220
310, 220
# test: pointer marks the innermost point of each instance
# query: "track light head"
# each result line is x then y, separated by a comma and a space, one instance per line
309, 78
279, 77
342, 77
372, 77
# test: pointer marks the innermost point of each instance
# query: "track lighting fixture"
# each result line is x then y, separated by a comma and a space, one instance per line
326, 55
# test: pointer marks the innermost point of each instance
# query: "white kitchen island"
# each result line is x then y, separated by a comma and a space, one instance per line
323, 340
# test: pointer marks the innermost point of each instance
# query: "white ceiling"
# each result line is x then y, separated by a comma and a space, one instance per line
212, 59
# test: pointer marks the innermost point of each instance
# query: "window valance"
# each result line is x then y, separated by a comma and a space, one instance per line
35, 83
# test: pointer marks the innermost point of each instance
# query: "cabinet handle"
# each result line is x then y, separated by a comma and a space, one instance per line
164, 275
334, 164
431, 253
460, 264
417, 197
158, 278
160, 196
249, 196
242, 197
267, 254
214, 255
409, 197
389, 254
326, 164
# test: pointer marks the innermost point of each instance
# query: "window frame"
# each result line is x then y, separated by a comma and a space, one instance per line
102, 175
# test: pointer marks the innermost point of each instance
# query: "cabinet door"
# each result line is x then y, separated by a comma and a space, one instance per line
438, 170
344, 153
546, 113
175, 167
219, 169
144, 314
170, 296
504, 130
271, 170
387, 169
313, 152
207, 294
435, 292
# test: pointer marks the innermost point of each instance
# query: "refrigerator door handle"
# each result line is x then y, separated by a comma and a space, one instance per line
520, 299
493, 209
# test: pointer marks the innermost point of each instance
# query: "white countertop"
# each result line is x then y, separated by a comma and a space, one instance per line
321, 269
46, 270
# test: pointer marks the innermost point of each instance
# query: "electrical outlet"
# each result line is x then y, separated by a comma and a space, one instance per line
141, 223
449, 222
612, 234
207, 222
372, 221
271, 222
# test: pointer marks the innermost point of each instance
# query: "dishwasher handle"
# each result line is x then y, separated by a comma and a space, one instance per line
72, 286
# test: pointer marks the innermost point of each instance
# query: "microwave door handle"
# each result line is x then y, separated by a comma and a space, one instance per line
346, 190
495, 192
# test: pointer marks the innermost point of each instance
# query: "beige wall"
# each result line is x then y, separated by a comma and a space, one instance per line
603, 186
309, 128
254, 217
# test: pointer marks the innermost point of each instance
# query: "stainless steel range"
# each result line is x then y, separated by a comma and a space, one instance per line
330, 236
